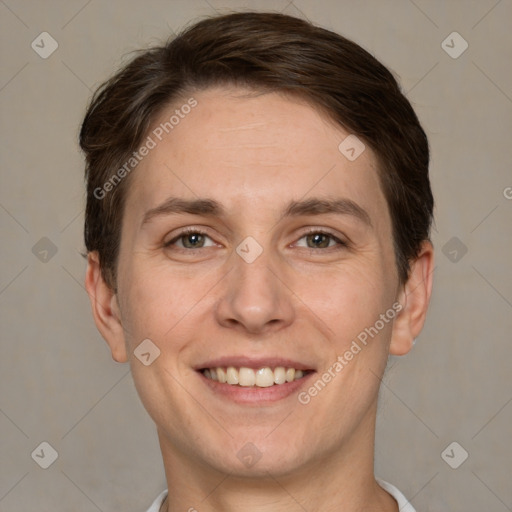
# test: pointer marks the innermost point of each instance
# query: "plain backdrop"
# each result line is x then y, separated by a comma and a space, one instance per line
58, 382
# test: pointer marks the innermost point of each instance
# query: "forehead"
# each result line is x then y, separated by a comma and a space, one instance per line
250, 151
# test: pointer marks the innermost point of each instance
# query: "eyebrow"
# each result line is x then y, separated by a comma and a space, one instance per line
211, 208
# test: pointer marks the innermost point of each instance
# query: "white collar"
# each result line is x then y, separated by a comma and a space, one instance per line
403, 503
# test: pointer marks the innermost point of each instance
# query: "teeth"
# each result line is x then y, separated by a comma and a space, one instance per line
264, 378
247, 377
221, 375
232, 375
279, 375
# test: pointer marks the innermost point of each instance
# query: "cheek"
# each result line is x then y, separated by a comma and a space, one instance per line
349, 299
161, 303
152, 302
157, 306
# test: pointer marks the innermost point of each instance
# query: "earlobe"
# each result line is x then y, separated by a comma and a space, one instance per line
414, 297
105, 308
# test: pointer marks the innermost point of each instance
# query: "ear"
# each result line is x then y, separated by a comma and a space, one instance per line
414, 297
105, 308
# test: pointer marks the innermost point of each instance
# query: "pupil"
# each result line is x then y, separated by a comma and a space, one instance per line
319, 240
193, 240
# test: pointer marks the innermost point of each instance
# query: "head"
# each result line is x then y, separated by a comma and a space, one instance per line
240, 131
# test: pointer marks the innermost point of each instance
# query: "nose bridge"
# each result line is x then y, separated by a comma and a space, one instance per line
255, 280
254, 296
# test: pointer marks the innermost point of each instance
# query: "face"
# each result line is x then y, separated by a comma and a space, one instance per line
250, 243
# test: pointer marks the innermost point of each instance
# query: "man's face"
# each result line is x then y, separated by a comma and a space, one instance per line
294, 262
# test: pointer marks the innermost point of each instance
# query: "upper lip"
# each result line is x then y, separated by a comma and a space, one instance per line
254, 363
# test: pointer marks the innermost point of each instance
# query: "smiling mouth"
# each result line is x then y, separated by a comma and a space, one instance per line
263, 377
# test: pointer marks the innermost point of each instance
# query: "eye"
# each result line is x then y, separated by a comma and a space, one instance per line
193, 238
320, 240
190, 239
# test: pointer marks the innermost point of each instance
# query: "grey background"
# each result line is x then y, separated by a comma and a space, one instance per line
58, 382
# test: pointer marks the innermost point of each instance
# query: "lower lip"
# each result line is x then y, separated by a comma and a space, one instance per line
256, 395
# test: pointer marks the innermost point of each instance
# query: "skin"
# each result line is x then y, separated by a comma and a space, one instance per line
254, 154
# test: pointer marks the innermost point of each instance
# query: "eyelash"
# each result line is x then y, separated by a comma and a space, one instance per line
312, 231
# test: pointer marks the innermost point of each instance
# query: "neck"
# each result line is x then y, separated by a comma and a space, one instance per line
339, 481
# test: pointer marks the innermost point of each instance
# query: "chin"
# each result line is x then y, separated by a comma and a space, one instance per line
259, 458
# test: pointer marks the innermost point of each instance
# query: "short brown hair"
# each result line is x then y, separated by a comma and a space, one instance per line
265, 52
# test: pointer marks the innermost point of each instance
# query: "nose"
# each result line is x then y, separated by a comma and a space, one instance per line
255, 298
